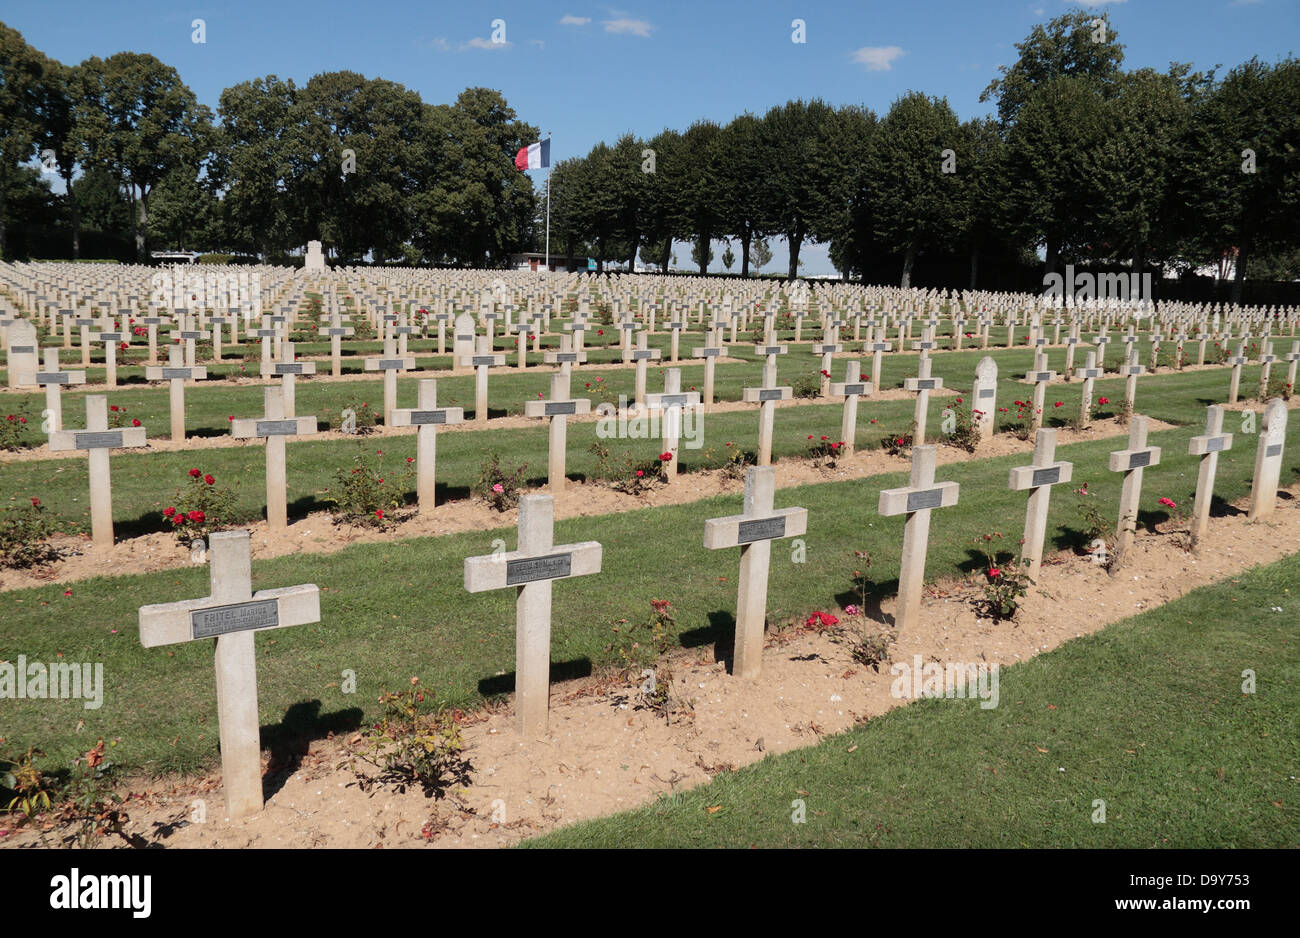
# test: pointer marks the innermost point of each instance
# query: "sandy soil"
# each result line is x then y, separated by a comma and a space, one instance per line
317, 533
603, 753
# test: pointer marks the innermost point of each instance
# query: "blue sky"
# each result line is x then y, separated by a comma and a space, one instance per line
591, 71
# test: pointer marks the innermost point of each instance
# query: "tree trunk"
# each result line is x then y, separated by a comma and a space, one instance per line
666, 255
139, 216
4, 232
795, 241
745, 237
974, 264
74, 212
702, 249
631, 258
1053, 254
908, 260
1238, 276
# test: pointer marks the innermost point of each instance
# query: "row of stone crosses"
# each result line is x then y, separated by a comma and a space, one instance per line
232, 613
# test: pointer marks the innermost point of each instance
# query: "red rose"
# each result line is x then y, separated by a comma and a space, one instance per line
194, 473
168, 512
379, 513
665, 457
640, 473
208, 479
135, 421
112, 407
994, 573
196, 516
177, 518
36, 503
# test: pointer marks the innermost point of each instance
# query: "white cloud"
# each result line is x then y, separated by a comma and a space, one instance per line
628, 27
570, 20
1039, 11
1099, 3
479, 42
877, 58
442, 45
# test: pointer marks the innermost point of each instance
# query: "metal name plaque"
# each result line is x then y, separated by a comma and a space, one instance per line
197, 335
22, 350
423, 418
207, 623
337, 331
925, 384
464, 338
927, 498
677, 325
769, 394
672, 400
170, 373
152, 320
986, 392
558, 408
391, 364
1274, 450
1043, 376
566, 356
550, 567
482, 360
98, 439
1138, 460
283, 368
772, 350
53, 377
1046, 476
266, 333
854, 389
880, 347
1214, 444
277, 427
642, 354
764, 529
710, 352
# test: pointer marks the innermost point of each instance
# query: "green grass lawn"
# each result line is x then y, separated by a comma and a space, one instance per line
398, 608
1147, 715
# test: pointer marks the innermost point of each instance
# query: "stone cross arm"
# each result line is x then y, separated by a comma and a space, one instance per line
482, 361
390, 364
1031, 477
516, 567
250, 427
168, 373
193, 619
904, 500
844, 389
570, 408
1126, 459
275, 369
664, 400
66, 440
416, 417
762, 395
738, 530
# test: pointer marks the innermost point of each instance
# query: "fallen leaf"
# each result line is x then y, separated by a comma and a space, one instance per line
853, 749
713, 808
1040, 749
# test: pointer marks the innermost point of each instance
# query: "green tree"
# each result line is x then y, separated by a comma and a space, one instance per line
138, 119
728, 257
701, 189
800, 185
21, 70
761, 253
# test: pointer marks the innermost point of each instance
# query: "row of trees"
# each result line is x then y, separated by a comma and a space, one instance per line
363, 164
1085, 161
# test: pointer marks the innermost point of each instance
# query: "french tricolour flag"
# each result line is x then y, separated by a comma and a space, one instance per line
534, 156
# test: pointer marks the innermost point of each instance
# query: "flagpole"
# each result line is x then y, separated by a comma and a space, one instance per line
548, 209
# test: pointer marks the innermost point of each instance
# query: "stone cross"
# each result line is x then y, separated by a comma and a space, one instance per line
1132, 370
1039, 479
1293, 357
230, 614
916, 501
676, 328
428, 417
274, 427
481, 361
753, 532
1266, 359
710, 351
877, 350
52, 379
671, 404
1090, 373
336, 331
557, 410
566, 357
1208, 447
1131, 462
390, 363
642, 356
110, 340
984, 407
98, 439
287, 370
1268, 461
177, 374
766, 397
1236, 362
1040, 377
850, 389
530, 569
827, 351
922, 385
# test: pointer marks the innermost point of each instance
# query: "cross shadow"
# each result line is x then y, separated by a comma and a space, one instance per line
290, 739
720, 632
206, 432
500, 684
301, 507
148, 523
